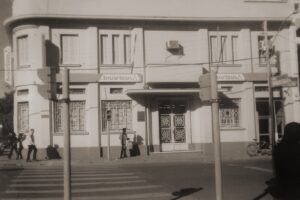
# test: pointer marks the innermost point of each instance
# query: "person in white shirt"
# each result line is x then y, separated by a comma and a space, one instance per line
31, 146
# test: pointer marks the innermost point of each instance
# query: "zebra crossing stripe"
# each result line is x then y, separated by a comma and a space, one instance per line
107, 189
16, 185
152, 195
73, 175
74, 179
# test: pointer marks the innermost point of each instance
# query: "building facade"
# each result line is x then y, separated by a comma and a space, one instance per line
141, 60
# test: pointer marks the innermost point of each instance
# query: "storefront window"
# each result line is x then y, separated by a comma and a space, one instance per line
229, 113
121, 114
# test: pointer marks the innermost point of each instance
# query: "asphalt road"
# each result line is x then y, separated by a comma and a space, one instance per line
242, 180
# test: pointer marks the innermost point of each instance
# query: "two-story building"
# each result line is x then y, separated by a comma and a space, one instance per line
141, 59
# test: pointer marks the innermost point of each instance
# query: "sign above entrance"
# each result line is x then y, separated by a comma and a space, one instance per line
230, 77
284, 81
120, 78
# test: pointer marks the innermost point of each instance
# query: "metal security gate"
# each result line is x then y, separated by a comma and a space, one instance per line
172, 125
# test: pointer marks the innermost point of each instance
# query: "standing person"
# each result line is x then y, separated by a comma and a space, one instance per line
31, 146
123, 143
12, 140
287, 163
21, 138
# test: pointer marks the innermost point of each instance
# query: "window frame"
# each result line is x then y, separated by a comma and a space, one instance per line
235, 123
72, 62
20, 118
58, 113
124, 50
118, 127
230, 58
24, 62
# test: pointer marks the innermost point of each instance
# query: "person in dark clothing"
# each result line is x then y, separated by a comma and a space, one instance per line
287, 163
123, 143
21, 138
12, 140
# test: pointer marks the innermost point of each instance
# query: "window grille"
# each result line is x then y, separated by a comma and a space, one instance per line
23, 116
22, 50
77, 117
121, 114
229, 113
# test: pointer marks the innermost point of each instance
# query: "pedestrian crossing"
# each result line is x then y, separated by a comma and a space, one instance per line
88, 183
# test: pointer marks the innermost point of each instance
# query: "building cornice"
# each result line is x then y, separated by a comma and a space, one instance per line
8, 22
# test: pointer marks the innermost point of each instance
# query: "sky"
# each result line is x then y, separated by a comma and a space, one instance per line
5, 12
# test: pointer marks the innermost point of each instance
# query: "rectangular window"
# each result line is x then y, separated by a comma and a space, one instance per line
77, 117
23, 50
127, 48
115, 47
229, 113
214, 49
262, 50
104, 48
22, 92
116, 90
69, 49
223, 50
23, 116
234, 41
121, 114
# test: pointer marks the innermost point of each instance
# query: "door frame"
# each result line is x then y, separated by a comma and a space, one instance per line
187, 114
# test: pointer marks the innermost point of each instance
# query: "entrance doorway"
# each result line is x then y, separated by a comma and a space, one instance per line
262, 108
172, 125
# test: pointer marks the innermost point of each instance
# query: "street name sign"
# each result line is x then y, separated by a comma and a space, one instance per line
284, 81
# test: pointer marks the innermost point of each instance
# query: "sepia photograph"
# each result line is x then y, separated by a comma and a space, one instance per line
149, 100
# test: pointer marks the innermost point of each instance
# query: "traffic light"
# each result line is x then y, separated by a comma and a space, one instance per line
208, 86
48, 88
108, 115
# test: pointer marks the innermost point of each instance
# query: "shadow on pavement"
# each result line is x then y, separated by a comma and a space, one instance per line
185, 192
272, 189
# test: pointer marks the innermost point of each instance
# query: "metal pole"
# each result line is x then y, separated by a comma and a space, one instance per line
67, 153
216, 135
147, 138
269, 74
108, 139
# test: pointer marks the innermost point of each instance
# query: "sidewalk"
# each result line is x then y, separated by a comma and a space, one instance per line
6, 163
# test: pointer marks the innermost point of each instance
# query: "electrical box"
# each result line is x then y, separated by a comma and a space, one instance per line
173, 45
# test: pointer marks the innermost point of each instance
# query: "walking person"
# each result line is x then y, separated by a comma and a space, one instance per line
21, 138
31, 146
12, 140
124, 143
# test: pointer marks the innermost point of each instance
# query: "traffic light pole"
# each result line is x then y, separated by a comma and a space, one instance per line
269, 74
108, 139
67, 153
216, 135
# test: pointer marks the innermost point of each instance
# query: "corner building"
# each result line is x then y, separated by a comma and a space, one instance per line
141, 59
